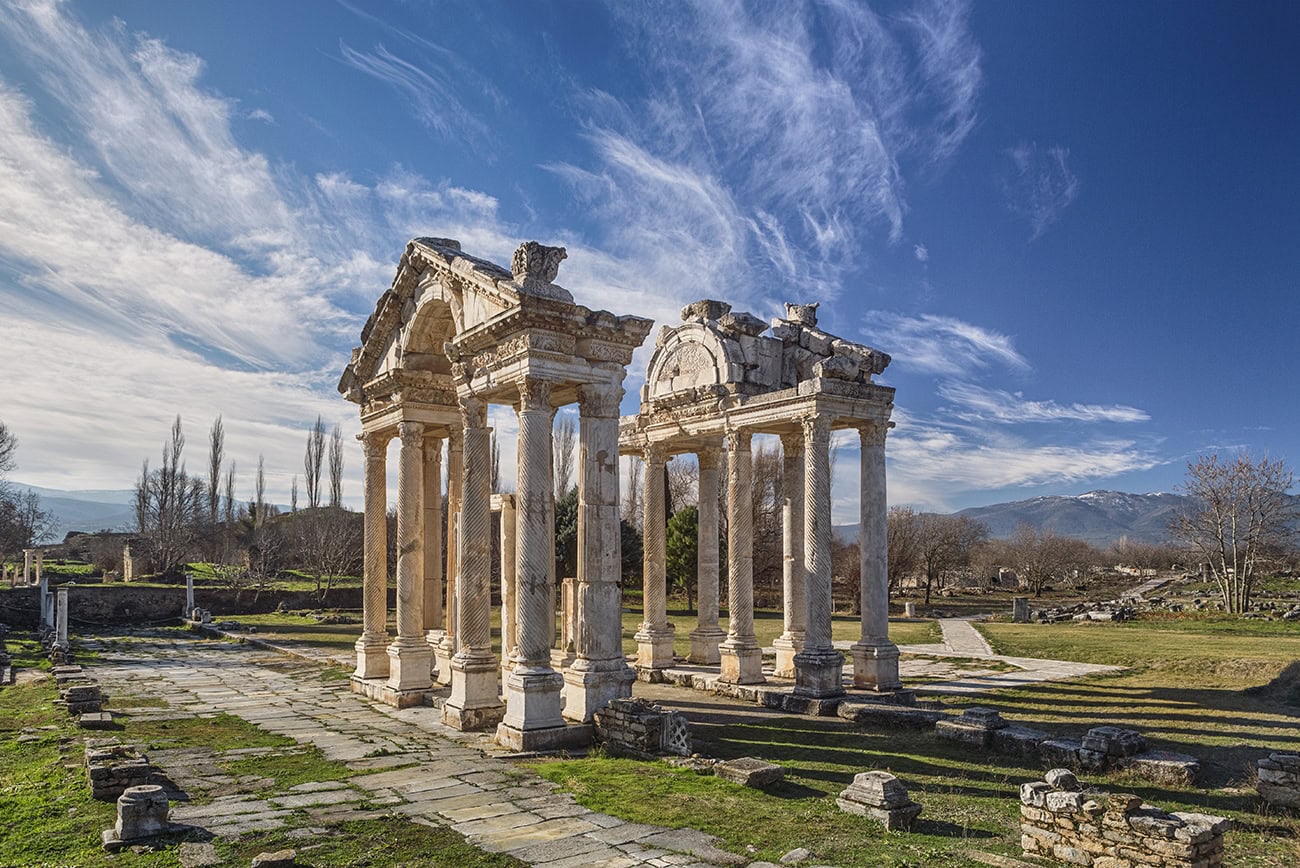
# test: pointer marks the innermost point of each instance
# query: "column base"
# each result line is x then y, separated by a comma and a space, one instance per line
474, 702
372, 655
875, 666
410, 664
533, 698
787, 645
588, 690
434, 638
442, 657
704, 645
574, 736
742, 662
819, 673
654, 646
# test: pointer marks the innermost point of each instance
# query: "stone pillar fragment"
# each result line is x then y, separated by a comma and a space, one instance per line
61, 623
706, 637
40, 562
509, 582
793, 595
27, 567
433, 630
410, 659
189, 594
654, 638
818, 667
875, 658
533, 689
474, 702
599, 672
47, 604
741, 658
455, 479
372, 659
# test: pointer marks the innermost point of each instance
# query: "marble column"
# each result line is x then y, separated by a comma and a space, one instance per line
654, 638
706, 637
27, 567
533, 689
433, 629
818, 666
875, 658
61, 620
455, 477
794, 596
410, 659
372, 657
599, 672
40, 563
741, 658
509, 582
474, 702
189, 596
47, 603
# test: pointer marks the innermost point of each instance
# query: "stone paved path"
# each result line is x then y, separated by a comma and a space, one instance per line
406, 761
962, 640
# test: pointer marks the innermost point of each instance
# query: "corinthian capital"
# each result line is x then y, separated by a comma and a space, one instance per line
535, 393
599, 400
473, 412
374, 443
873, 433
412, 433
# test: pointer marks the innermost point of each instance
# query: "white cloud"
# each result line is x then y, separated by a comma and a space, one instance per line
260, 114
1040, 184
921, 252
930, 343
980, 404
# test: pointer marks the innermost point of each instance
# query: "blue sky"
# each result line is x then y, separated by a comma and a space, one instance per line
1072, 225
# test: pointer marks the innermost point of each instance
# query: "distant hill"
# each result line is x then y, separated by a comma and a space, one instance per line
1100, 517
88, 510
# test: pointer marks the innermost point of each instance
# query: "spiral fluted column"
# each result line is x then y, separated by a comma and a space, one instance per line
818, 666
742, 660
474, 702
599, 672
654, 638
707, 635
533, 688
372, 659
410, 659
455, 479
875, 658
433, 630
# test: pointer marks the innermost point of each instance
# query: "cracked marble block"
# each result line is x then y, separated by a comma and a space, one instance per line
882, 797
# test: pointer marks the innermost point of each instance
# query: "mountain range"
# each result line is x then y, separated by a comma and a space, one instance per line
84, 510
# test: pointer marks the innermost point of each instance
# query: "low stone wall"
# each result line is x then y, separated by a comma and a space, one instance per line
112, 768
1279, 780
1059, 820
123, 605
637, 727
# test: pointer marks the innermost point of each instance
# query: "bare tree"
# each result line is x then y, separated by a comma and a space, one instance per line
1242, 514
563, 440
8, 450
22, 521
336, 467
1041, 557
945, 543
632, 498
683, 482
293, 494
312, 462
904, 543
259, 493
216, 457
169, 505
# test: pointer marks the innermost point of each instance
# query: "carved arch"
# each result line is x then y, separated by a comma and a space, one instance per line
693, 356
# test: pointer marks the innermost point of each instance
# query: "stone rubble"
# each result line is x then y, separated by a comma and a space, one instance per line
639, 728
112, 768
749, 771
1279, 779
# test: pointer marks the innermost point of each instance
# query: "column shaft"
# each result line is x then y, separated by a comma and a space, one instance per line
818, 667
433, 536
794, 595
599, 672
875, 657
509, 556
655, 636
451, 521
707, 635
372, 661
410, 659
742, 661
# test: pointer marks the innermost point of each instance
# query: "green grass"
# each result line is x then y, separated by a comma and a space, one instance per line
304, 629
387, 841
288, 769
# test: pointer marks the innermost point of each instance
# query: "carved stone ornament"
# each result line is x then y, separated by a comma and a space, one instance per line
816, 429
600, 400
412, 433
537, 262
873, 433
535, 393
473, 413
375, 443
655, 453
705, 309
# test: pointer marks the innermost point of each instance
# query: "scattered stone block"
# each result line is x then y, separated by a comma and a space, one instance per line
112, 768
1114, 741
1018, 740
95, 720
1059, 752
749, 771
975, 727
277, 859
141, 813
1163, 767
797, 856
882, 797
888, 716
1059, 821
1279, 780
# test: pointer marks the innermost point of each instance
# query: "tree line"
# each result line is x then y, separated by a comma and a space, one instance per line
22, 521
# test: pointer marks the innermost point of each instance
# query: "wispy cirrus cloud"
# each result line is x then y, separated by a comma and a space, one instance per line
940, 344
1039, 185
975, 403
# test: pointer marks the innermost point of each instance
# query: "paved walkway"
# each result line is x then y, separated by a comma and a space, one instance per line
406, 762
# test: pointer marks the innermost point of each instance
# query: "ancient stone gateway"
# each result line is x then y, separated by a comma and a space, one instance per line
453, 335
715, 381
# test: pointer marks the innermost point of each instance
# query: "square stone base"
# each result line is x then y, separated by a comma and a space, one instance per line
587, 691
379, 690
654, 647
704, 646
372, 656
741, 664
410, 664
875, 667
786, 647
891, 818
576, 736
819, 673
533, 698
442, 655
474, 702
